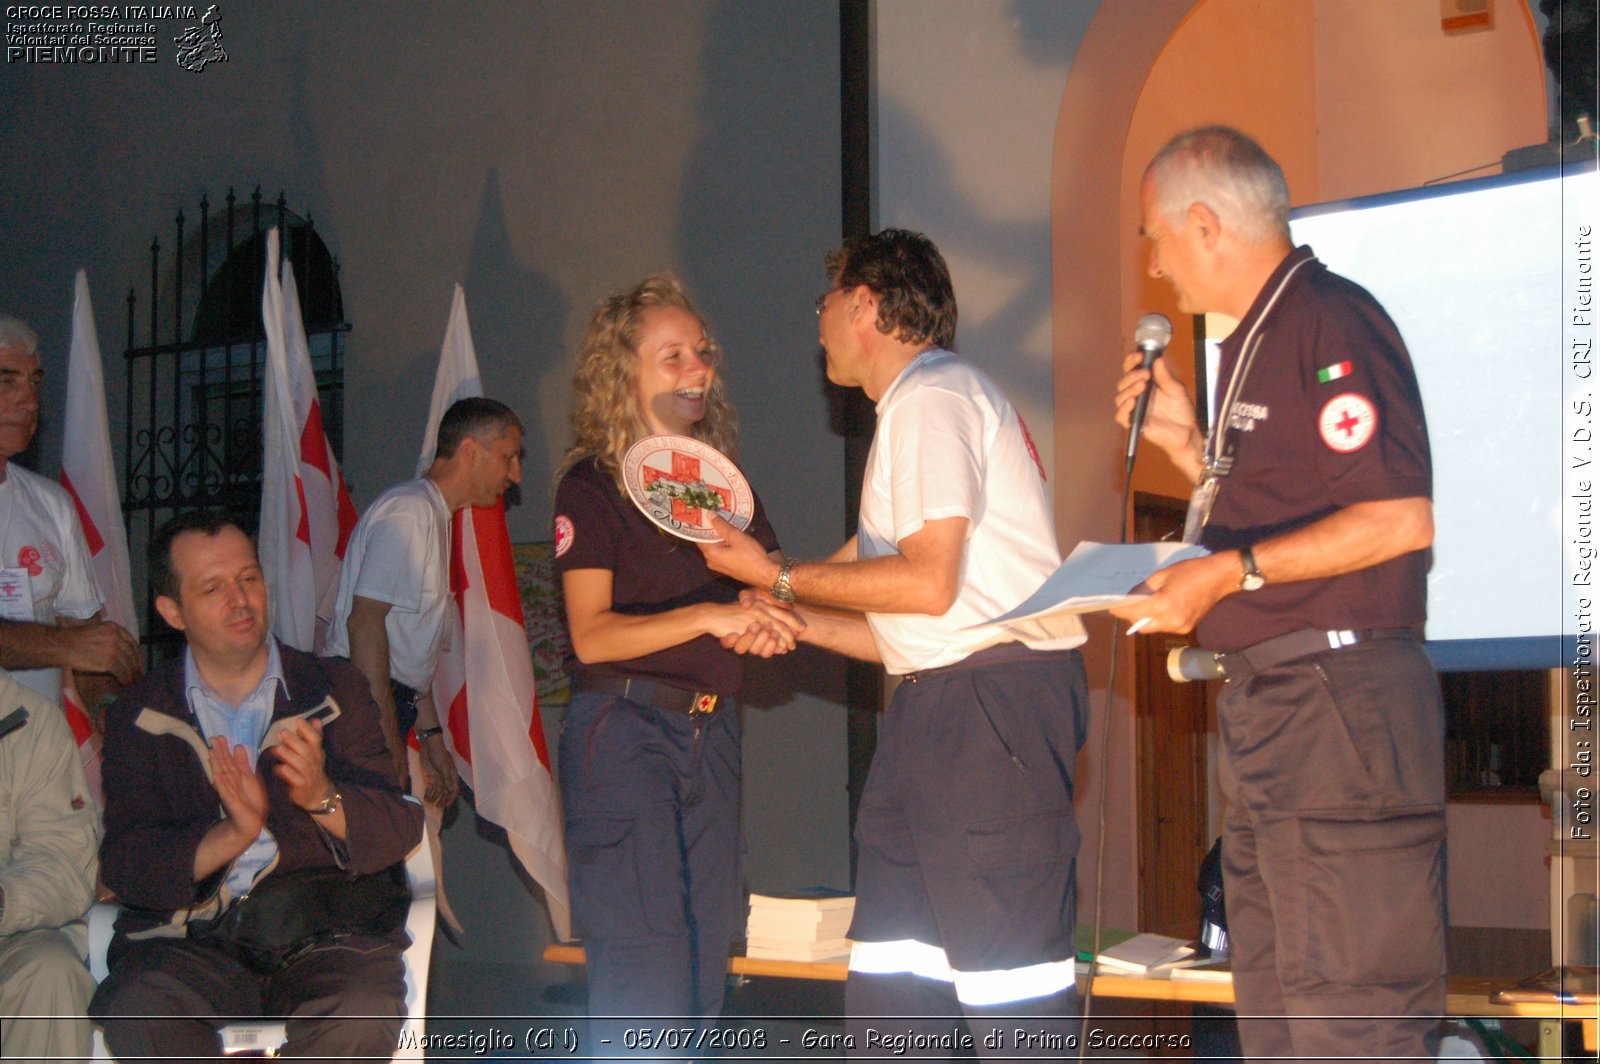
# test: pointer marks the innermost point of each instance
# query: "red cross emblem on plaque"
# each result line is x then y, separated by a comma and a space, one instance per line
680, 484
1347, 422
29, 558
685, 472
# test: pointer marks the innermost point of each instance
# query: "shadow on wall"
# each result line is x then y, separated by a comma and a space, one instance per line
966, 155
752, 247
1051, 31
752, 256
758, 210
739, 209
970, 232
516, 314
774, 683
516, 325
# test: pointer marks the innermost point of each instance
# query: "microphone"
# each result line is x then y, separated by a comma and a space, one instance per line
1188, 664
1151, 337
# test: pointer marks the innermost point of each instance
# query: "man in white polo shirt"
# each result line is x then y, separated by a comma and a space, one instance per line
394, 584
965, 890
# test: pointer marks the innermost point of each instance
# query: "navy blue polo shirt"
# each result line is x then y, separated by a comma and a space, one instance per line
1329, 415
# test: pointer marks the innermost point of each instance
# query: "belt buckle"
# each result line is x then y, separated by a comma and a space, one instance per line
703, 705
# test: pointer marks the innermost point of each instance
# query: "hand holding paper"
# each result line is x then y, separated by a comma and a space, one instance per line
1096, 576
1182, 593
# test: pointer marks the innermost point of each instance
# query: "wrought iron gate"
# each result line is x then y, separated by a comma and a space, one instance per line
194, 391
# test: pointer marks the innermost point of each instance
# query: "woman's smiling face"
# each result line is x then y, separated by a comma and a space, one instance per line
676, 370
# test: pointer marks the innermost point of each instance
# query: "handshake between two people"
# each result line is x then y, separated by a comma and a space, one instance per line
758, 623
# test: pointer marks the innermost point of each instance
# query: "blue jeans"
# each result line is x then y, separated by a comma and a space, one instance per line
651, 801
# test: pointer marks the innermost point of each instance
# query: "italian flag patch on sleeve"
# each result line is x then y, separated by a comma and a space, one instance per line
1334, 372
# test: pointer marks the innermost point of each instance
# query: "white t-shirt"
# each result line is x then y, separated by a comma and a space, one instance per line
400, 554
949, 444
44, 562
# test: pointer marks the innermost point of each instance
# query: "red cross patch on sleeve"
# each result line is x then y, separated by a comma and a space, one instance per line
1033, 452
1347, 422
565, 534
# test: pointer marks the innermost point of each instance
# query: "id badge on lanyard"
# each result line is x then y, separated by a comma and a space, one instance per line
1214, 470
1201, 500
1216, 460
1223, 441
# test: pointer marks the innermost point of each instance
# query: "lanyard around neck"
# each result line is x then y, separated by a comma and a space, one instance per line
1217, 459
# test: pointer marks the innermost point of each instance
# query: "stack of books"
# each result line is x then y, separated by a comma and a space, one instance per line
1152, 956
807, 925
1144, 955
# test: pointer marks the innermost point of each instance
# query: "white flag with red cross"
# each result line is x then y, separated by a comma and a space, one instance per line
484, 685
89, 477
306, 512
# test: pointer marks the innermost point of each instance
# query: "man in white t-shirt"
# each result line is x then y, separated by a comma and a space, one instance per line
965, 889
394, 584
49, 605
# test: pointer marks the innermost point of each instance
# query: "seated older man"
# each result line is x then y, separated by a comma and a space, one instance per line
236, 777
48, 835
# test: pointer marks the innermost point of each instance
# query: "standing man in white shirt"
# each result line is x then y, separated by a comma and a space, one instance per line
394, 585
966, 891
49, 606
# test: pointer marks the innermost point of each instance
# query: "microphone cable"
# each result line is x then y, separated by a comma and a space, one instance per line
1105, 763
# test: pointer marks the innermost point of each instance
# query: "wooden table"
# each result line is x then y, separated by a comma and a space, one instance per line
1465, 995
827, 971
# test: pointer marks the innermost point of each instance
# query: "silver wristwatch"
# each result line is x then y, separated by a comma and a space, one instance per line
781, 588
330, 803
1253, 579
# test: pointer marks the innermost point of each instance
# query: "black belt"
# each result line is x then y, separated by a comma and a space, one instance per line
651, 693
1280, 650
999, 654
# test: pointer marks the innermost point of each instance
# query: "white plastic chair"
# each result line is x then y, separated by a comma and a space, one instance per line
268, 1038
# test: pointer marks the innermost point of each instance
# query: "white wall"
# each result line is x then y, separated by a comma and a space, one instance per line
1400, 102
966, 97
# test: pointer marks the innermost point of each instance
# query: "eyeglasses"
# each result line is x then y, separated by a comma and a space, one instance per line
822, 300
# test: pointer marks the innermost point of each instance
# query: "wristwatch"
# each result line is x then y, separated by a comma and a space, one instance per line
781, 589
1253, 579
330, 803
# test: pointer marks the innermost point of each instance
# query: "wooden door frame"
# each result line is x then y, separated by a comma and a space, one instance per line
1171, 761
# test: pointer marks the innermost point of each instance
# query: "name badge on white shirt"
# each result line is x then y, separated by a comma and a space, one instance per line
16, 594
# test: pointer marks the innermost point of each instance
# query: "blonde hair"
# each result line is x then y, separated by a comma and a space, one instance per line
606, 418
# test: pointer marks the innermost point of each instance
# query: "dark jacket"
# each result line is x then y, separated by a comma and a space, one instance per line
160, 802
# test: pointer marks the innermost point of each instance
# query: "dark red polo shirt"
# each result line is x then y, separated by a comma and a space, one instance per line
1329, 415
598, 527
